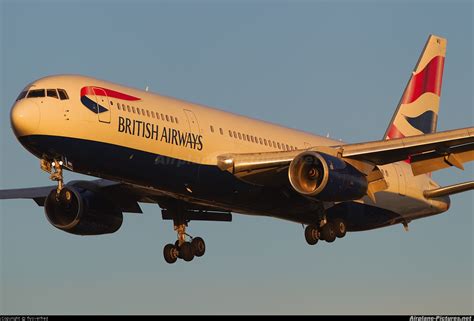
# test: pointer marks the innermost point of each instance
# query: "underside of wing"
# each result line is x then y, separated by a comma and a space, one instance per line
38, 194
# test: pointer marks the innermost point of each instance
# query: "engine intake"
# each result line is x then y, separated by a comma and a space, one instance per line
82, 212
326, 177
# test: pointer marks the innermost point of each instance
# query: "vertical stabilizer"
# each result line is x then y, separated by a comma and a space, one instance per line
417, 111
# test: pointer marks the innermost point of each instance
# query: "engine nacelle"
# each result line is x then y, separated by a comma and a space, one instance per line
326, 177
80, 211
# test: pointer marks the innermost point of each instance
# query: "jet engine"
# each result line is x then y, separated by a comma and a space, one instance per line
326, 177
81, 211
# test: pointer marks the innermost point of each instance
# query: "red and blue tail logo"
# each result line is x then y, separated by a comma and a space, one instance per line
417, 112
90, 98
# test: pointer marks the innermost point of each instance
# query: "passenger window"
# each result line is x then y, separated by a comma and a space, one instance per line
230, 133
212, 129
167, 118
63, 94
260, 139
128, 108
52, 93
240, 136
152, 114
138, 111
287, 147
35, 93
221, 131
133, 109
235, 134
172, 119
22, 95
148, 113
176, 119
252, 139
162, 117
248, 137
278, 145
265, 141
243, 136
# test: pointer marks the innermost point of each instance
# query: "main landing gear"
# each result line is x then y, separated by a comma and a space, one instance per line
182, 248
327, 231
187, 247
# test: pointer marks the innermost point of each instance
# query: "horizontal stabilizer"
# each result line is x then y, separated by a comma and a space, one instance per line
449, 190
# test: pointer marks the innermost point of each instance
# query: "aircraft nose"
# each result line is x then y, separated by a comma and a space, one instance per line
25, 117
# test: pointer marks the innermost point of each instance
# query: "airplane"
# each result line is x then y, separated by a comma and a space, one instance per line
201, 163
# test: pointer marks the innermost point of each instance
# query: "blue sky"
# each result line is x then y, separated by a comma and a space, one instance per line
325, 67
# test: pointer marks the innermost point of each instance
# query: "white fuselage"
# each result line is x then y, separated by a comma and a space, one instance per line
187, 132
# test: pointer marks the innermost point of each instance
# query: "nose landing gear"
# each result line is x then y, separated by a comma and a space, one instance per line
55, 169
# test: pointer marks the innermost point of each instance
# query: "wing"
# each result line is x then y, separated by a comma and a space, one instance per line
125, 196
38, 194
427, 153
118, 192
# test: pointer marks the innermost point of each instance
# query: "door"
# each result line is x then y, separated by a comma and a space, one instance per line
402, 186
192, 121
103, 106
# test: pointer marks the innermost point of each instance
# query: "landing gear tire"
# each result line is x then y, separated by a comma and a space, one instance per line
328, 233
186, 251
176, 245
340, 227
311, 234
170, 252
199, 247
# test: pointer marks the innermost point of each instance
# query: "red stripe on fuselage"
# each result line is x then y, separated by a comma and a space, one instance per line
427, 80
89, 90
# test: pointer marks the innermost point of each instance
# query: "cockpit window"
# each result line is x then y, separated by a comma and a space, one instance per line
52, 93
62, 94
35, 93
22, 95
